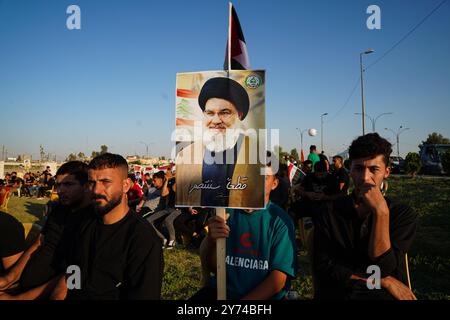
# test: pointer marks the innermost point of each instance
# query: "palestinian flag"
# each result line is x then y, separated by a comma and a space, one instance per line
295, 174
238, 51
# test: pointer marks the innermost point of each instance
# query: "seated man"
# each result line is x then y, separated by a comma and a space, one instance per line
191, 223
361, 230
151, 199
47, 182
135, 194
12, 244
261, 256
117, 251
340, 179
46, 258
147, 183
166, 210
307, 166
313, 188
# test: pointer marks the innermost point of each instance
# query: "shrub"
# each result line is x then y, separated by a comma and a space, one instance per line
413, 163
445, 159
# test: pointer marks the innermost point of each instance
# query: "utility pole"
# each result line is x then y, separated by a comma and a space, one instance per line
368, 51
321, 130
397, 135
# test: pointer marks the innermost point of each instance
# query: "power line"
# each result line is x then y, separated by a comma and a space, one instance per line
407, 35
384, 55
346, 102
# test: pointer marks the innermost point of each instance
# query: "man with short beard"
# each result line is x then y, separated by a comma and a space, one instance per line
46, 259
222, 156
362, 230
118, 252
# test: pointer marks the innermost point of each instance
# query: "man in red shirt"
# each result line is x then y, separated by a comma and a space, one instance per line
135, 194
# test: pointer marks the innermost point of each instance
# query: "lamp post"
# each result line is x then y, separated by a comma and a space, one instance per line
301, 137
397, 135
321, 130
374, 120
368, 51
146, 145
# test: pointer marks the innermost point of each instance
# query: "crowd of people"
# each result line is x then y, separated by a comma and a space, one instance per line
114, 225
33, 185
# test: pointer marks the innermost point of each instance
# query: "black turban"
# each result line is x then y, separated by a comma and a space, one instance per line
227, 89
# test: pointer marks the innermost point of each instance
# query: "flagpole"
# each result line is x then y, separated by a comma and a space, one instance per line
230, 6
220, 212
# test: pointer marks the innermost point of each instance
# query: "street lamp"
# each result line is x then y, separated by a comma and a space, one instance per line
368, 51
374, 121
146, 145
301, 138
321, 130
397, 134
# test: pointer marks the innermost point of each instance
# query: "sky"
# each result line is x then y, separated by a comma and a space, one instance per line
113, 81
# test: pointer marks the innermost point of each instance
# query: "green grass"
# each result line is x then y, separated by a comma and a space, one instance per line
429, 256
182, 273
26, 209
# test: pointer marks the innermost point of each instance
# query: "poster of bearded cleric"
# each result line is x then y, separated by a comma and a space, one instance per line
220, 141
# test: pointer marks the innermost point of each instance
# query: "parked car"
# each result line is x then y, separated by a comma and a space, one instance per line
430, 154
397, 164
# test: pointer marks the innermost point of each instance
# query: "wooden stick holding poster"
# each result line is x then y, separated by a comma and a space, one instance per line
221, 245
221, 267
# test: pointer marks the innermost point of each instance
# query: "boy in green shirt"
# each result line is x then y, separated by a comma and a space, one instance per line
260, 251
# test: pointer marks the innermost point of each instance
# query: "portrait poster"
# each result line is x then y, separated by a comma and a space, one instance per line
220, 139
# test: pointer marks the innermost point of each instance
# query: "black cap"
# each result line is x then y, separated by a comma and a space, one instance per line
227, 89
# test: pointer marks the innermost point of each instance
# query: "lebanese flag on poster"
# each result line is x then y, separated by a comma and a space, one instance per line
238, 49
295, 174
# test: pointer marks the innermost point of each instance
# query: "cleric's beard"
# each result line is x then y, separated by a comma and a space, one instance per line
221, 141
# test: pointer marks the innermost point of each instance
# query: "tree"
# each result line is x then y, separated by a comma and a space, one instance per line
413, 163
71, 157
103, 149
445, 159
81, 156
436, 138
41, 152
294, 154
282, 155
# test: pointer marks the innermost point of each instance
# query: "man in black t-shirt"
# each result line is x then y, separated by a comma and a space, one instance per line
47, 257
117, 251
358, 234
46, 182
340, 179
47, 174
313, 188
12, 242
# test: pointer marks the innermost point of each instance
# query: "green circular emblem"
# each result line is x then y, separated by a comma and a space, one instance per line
253, 81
